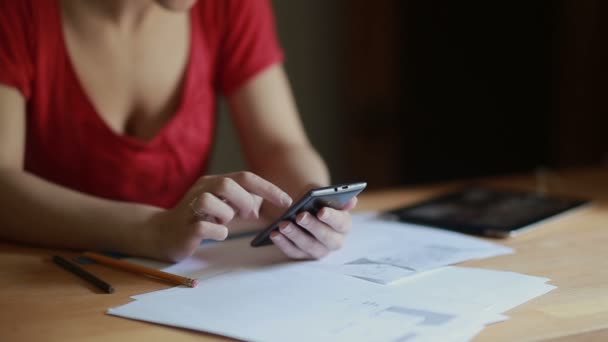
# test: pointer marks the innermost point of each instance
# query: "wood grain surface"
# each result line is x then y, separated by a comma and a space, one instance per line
42, 302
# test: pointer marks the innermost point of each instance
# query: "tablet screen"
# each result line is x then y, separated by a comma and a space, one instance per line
485, 211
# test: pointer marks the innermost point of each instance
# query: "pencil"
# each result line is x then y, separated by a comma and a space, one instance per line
83, 274
151, 272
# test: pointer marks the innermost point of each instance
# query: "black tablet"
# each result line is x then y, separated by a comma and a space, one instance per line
485, 211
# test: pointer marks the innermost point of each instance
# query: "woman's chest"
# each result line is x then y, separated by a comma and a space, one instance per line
135, 82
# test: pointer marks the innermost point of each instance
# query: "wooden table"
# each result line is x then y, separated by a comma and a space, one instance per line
41, 302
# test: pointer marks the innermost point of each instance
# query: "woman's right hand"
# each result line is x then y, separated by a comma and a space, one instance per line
206, 209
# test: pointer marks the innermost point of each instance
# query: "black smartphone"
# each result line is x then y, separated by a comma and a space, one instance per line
335, 196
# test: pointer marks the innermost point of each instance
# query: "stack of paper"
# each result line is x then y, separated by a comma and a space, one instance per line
254, 294
375, 250
384, 251
297, 304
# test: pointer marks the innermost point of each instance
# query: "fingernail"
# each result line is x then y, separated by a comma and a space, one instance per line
304, 219
285, 199
286, 229
323, 214
275, 235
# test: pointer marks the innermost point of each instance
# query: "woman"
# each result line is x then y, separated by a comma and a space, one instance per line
107, 121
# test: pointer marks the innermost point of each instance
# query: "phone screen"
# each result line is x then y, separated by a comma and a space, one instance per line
336, 196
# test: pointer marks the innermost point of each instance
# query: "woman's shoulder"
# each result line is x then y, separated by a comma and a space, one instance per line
25, 15
224, 13
21, 9
242, 35
22, 24
21, 21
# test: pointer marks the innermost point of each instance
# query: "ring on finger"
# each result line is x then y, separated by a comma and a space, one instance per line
200, 214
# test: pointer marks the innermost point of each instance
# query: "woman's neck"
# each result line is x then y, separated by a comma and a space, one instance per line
122, 14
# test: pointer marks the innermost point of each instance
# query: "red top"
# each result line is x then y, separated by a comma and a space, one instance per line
68, 143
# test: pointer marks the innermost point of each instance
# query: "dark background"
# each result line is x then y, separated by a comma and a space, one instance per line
451, 89
400, 92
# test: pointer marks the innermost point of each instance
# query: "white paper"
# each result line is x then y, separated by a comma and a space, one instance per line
386, 284
273, 303
498, 290
386, 251
376, 250
283, 302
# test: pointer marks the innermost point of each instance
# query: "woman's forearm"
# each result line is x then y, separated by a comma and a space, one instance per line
35, 211
295, 168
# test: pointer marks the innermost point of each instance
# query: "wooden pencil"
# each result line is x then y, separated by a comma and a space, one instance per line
139, 269
83, 274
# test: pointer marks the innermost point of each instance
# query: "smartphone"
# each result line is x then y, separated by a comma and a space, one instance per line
335, 196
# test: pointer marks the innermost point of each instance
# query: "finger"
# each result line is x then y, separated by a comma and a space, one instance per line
209, 204
237, 196
263, 188
351, 204
339, 220
211, 231
325, 234
302, 240
287, 247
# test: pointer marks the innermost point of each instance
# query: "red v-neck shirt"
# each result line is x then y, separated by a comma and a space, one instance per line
69, 143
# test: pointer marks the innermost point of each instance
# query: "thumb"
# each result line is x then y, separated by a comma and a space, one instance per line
351, 204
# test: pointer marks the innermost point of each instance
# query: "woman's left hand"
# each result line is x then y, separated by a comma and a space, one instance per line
327, 230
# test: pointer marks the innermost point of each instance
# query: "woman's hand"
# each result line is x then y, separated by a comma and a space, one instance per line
208, 207
327, 230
